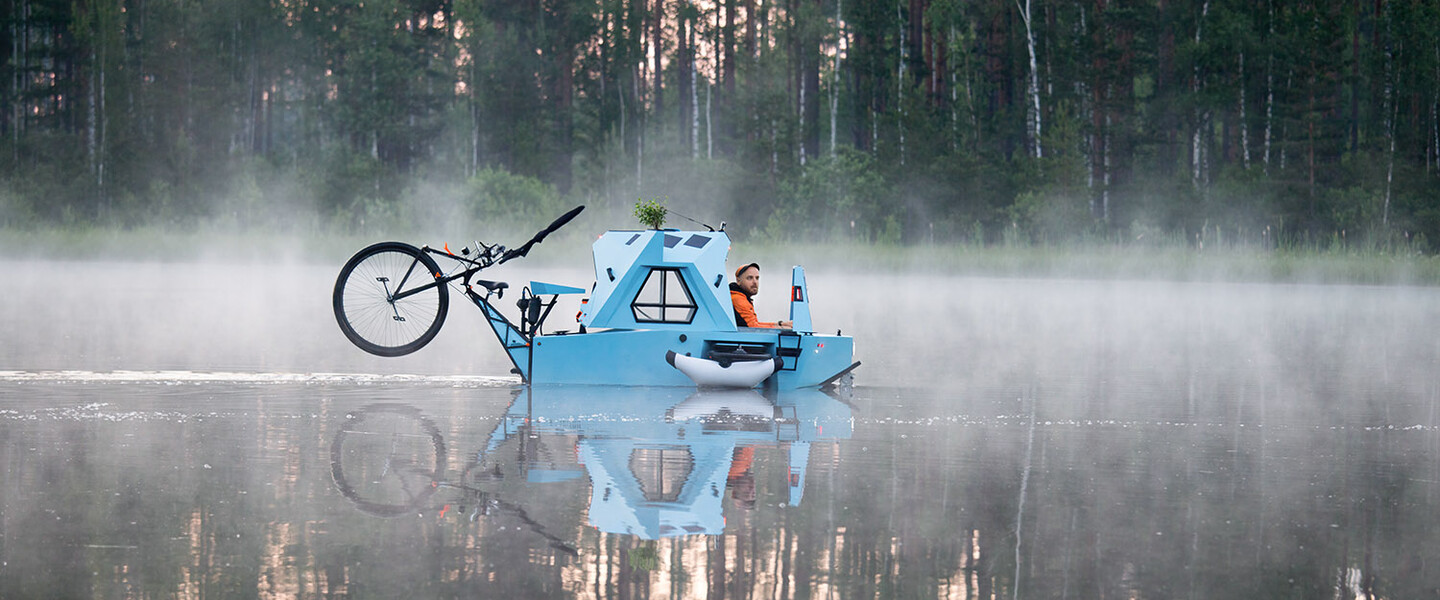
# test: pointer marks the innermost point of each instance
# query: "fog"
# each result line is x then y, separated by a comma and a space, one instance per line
1111, 348
1014, 436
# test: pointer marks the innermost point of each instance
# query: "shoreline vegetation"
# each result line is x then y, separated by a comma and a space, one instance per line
1330, 262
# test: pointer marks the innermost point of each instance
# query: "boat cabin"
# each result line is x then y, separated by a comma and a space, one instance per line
665, 279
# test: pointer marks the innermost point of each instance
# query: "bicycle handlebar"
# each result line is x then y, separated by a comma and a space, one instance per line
496, 254
539, 237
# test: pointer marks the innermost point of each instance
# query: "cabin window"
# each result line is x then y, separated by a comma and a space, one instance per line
664, 298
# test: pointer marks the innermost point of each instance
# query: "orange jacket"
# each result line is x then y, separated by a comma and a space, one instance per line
745, 309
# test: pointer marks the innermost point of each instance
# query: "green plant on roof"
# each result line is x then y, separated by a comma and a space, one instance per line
650, 213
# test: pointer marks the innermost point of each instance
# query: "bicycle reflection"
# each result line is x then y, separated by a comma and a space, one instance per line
659, 460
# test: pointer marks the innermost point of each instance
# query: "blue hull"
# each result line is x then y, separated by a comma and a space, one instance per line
637, 357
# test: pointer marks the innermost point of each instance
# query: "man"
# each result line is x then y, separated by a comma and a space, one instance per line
742, 294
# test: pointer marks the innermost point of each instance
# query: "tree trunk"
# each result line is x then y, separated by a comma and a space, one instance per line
685, 78
804, 103
727, 50
835, 74
751, 21
1033, 86
811, 56
709, 127
900, 78
657, 30
1202, 118
1270, 93
475, 136
1435, 114
1310, 150
1106, 169
1355, 81
1244, 122
694, 106
19, 85
1392, 111
100, 22
639, 145
1099, 154
720, 40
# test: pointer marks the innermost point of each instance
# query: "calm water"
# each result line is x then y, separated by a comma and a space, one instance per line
178, 430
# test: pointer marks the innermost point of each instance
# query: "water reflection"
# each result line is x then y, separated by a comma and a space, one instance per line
167, 487
393, 454
659, 461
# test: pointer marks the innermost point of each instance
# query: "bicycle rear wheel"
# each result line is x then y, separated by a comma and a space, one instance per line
389, 299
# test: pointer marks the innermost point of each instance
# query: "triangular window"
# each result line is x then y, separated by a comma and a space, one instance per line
664, 298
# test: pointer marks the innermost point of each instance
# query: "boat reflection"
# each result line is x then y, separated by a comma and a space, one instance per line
660, 462
661, 459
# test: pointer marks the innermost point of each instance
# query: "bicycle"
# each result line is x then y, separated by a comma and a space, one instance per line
391, 298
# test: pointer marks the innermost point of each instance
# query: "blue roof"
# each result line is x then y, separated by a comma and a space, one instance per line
665, 279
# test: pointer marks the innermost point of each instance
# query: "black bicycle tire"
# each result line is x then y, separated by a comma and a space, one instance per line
386, 331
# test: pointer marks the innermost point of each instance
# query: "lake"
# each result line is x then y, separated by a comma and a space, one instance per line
187, 430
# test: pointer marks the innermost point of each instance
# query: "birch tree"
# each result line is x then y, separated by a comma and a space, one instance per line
1033, 84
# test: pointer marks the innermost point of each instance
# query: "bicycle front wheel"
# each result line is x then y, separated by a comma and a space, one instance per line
390, 300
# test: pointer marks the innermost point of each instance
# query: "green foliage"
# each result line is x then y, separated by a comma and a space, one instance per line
1051, 216
350, 182
833, 198
1237, 124
650, 213
495, 194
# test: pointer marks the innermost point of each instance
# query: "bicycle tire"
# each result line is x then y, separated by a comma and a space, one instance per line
366, 308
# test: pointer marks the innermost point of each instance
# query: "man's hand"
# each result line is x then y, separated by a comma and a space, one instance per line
785, 324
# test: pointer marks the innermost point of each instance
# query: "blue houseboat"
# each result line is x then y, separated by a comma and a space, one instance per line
658, 314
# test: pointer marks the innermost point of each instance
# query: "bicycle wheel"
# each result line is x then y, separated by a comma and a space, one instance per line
389, 300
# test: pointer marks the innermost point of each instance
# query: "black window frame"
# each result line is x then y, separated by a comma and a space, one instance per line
664, 306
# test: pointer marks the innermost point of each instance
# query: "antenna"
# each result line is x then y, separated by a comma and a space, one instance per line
722, 223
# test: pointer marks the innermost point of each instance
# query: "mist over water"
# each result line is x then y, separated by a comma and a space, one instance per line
171, 430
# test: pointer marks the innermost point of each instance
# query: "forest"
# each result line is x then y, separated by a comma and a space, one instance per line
1263, 124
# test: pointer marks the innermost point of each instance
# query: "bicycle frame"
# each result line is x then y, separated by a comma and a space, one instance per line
515, 339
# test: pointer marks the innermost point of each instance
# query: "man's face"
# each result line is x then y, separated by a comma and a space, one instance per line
750, 281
